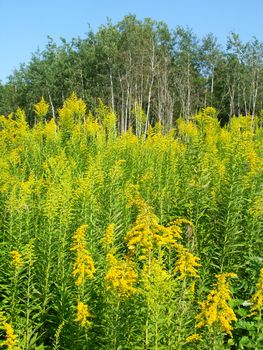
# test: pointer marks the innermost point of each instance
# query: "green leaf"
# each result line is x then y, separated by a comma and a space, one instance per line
245, 341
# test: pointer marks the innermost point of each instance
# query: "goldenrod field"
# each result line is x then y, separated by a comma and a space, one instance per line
130, 242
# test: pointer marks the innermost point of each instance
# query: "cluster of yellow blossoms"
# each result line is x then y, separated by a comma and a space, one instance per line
121, 277
11, 340
41, 108
108, 237
215, 310
257, 297
83, 265
156, 281
16, 259
73, 110
187, 263
83, 314
148, 234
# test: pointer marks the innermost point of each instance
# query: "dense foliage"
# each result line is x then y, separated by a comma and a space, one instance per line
130, 242
143, 66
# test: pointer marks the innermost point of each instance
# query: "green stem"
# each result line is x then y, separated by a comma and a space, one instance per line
116, 325
156, 334
147, 330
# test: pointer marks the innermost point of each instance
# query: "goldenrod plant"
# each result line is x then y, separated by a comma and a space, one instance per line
114, 241
41, 108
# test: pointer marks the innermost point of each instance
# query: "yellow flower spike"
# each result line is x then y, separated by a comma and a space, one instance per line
10, 337
108, 237
147, 233
121, 277
73, 111
83, 314
192, 338
21, 119
83, 265
50, 130
187, 128
16, 259
216, 309
41, 108
187, 263
156, 278
192, 288
105, 115
91, 125
257, 297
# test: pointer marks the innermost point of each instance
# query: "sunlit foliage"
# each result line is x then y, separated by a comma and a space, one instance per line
114, 241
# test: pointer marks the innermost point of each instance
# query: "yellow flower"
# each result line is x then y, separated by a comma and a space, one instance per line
50, 130
156, 280
257, 297
192, 288
216, 309
105, 115
116, 171
147, 233
91, 125
79, 237
194, 337
188, 129
41, 108
187, 263
121, 277
83, 264
256, 208
225, 137
209, 112
73, 110
83, 314
108, 237
11, 337
16, 259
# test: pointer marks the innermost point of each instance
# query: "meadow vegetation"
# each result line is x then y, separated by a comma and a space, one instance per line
147, 241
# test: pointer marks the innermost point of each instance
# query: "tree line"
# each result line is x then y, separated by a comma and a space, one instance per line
145, 72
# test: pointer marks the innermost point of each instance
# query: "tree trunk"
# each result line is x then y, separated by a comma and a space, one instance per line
52, 106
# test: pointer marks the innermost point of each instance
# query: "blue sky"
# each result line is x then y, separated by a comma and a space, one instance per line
25, 24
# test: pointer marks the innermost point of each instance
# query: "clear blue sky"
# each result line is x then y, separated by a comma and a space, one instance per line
25, 24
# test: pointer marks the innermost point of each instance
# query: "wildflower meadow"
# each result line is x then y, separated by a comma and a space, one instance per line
130, 241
